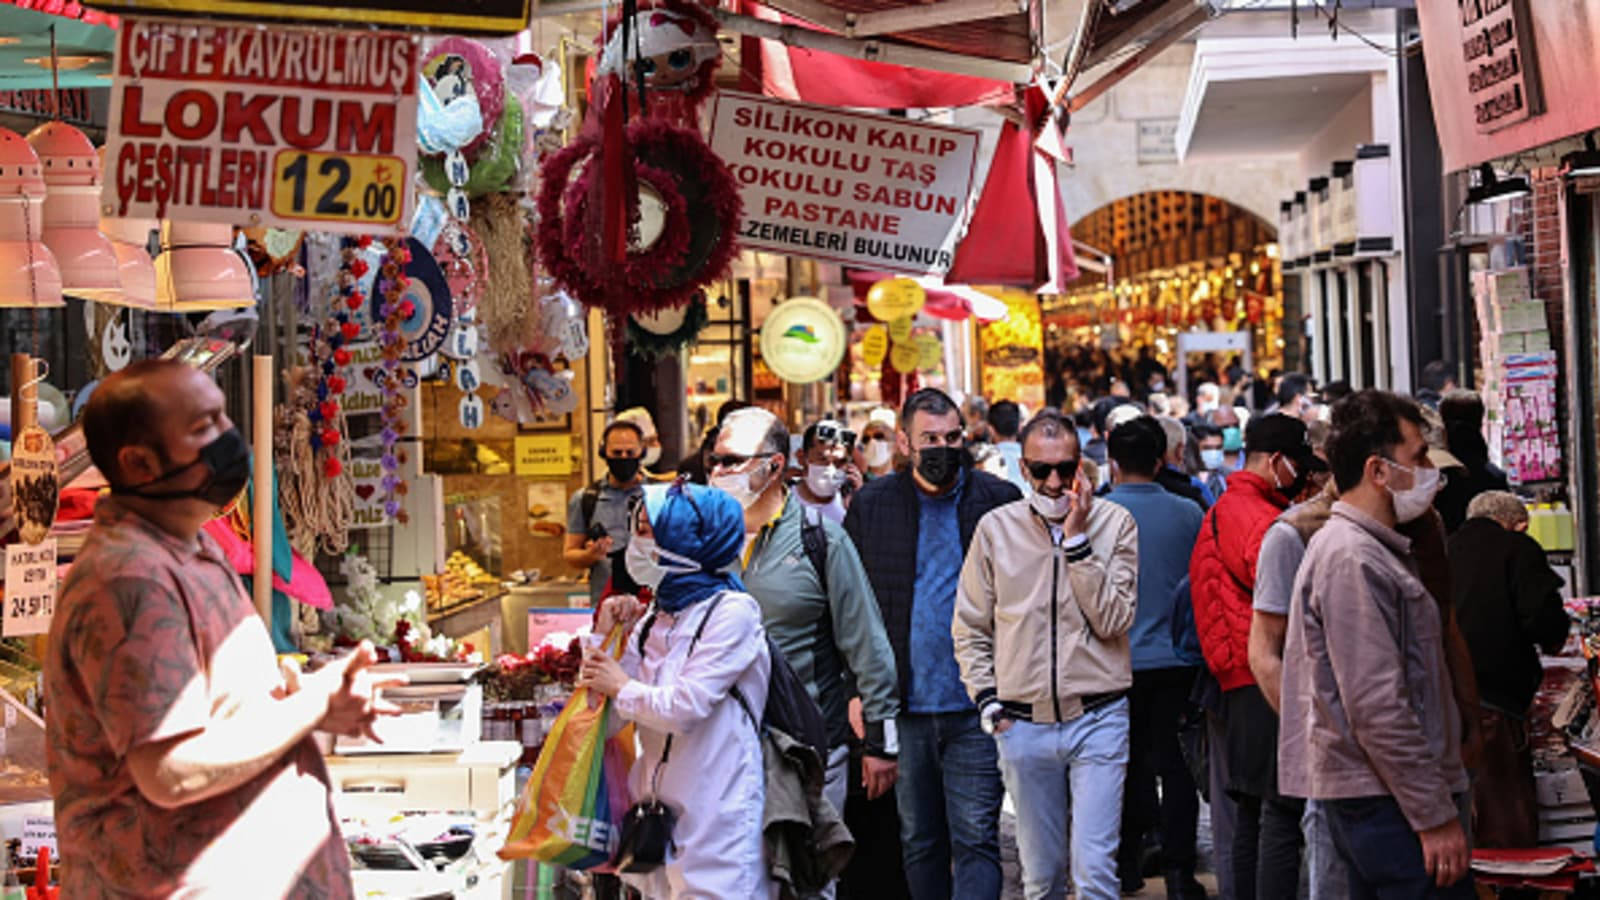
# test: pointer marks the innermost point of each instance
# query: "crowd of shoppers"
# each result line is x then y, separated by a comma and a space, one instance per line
1063, 607
1331, 588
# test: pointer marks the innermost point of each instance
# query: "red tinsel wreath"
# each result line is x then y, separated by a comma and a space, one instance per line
681, 167
641, 271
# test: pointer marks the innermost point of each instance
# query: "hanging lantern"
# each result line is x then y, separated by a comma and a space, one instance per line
88, 262
199, 271
130, 238
29, 277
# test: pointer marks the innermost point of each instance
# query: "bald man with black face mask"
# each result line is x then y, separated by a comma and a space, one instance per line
177, 748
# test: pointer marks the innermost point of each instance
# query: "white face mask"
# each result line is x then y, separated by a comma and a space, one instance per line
878, 454
1211, 459
1053, 509
650, 565
651, 457
824, 481
741, 485
1411, 503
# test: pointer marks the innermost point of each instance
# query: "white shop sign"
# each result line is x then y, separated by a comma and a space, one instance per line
866, 190
30, 595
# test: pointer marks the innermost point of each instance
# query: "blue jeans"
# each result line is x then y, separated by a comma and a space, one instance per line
1383, 853
1328, 878
949, 796
1038, 762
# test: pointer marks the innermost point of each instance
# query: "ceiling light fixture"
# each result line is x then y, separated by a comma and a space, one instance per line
1582, 162
66, 63
1492, 188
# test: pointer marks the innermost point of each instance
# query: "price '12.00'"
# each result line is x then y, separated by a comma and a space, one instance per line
338, 187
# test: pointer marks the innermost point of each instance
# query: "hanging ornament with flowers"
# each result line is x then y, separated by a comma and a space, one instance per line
333, 338
394, 309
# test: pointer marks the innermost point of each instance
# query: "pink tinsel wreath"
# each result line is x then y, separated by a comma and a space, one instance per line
696, 186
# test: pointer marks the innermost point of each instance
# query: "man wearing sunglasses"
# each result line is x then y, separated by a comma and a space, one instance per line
1041, 632
913, 529
815, 599
831, 476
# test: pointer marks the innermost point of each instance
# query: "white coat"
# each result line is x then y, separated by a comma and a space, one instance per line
714, 779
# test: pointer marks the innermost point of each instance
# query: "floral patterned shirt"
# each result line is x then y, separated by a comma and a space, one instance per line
153, 637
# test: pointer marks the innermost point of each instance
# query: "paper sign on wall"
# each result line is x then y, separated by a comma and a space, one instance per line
38, 832
30, 596
868, 190
545, 455
288, 127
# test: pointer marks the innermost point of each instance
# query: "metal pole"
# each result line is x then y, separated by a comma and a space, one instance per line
261, 509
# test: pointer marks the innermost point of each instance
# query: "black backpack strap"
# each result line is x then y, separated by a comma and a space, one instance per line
591, 499
814, 538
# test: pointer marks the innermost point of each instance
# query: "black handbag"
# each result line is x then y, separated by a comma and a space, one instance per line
646, 837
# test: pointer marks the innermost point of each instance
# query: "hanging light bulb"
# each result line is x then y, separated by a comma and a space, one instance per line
29, 277
199, 271
89, 266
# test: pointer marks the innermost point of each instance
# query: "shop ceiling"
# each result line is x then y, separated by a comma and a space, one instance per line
84, 51
1008, 40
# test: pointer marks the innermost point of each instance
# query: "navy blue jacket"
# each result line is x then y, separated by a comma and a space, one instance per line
883, 521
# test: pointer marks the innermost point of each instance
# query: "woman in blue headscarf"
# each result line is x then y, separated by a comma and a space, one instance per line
685, 547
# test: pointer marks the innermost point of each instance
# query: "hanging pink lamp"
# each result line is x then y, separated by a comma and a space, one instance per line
130, 238
29, 277
89, 266
199, 271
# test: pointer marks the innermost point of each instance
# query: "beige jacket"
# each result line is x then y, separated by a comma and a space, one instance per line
1043, 627
1368, 707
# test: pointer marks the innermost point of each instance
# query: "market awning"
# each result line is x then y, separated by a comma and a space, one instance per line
83, 48
991, 39
1129, 34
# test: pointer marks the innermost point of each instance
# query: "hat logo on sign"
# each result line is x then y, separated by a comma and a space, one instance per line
802, 333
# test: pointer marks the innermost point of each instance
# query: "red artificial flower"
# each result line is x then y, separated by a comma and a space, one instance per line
336, 384
330, 437
364, 241
331, 467
330, 410
407, 309
341, 357
350, 330
358, 267
354, 301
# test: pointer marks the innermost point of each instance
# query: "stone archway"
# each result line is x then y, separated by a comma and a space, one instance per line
1165, 228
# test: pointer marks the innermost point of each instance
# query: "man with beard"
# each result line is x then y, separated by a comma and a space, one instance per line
913, 529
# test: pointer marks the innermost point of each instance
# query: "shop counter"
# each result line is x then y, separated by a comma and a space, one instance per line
504, 615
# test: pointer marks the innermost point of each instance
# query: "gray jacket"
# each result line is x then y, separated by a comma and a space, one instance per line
1368, 708
835, 641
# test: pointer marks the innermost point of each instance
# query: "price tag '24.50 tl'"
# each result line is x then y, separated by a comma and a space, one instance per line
30, 596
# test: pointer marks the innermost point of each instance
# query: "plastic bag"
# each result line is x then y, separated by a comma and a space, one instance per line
570, 812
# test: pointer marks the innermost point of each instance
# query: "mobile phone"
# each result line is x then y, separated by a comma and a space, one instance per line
596, 532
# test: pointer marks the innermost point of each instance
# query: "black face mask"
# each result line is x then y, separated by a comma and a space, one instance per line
623, 468
227, 459
941, 466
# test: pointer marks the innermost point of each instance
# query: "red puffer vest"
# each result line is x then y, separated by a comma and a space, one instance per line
1222, 574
